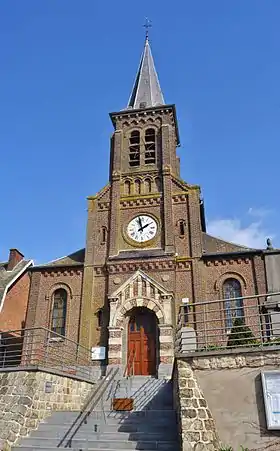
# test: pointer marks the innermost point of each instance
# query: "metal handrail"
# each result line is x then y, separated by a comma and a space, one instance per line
131, 353
235, 322
94, 399
46, 330
40, 346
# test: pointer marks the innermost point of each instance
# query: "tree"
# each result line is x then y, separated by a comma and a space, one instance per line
240, 334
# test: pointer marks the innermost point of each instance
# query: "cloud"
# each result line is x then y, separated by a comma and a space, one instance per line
252, 235
260, 213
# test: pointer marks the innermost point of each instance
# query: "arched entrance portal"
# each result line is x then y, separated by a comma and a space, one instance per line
142, 342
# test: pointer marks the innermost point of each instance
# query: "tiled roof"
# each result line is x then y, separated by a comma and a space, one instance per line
7, 278
212, 245
74, 259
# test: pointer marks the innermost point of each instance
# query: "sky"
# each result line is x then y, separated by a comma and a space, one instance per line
66, 64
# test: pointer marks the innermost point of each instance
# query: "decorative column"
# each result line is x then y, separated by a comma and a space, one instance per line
166, 339
166, 351
115, 335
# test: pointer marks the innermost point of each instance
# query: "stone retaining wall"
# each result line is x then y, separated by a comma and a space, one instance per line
26, 397
198, 431
221, 401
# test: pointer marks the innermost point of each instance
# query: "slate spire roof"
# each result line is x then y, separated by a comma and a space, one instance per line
146, 91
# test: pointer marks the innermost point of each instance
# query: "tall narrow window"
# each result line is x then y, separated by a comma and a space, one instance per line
134, 148
150, 146
103, 234
99, 315
127, 187
181, 225
157, 184
58, 319
137, 185
234, 302
147, 185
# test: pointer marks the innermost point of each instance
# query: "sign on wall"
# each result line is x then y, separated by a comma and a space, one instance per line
271, 394
98, 353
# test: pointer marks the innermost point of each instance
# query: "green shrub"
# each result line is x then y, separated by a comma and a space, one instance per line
240, 335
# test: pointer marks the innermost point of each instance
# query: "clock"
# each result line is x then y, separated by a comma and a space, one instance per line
142, 228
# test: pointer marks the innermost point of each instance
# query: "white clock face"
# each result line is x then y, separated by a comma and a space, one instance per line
142, 228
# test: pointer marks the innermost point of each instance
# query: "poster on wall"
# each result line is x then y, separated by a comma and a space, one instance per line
271, 394
98, 353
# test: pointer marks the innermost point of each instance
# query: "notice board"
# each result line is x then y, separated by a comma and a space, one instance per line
271, 394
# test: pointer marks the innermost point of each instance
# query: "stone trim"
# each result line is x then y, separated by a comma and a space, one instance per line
230, 275
227, 352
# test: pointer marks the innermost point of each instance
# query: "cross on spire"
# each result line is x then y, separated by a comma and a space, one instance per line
147, 25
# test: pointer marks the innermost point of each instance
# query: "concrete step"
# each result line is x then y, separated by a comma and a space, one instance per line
103, 434
145, 427
151, 415
99, 444
31, 448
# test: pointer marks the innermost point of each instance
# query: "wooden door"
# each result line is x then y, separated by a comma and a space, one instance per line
142, 330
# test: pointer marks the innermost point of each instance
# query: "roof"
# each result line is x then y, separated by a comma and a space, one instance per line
77, 258
213, 245
8, 278
146, 91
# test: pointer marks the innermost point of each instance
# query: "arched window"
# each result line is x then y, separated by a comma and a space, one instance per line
134, 148
158, 184
127, 187
58, 318
181, 225
150, 146
137, 185
234, 303
147, 186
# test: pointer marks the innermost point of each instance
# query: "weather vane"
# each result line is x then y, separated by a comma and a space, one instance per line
147, 25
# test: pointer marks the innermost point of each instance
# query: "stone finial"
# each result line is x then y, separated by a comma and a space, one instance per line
269, 246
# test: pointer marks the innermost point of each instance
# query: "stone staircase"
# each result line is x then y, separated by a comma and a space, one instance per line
150, 426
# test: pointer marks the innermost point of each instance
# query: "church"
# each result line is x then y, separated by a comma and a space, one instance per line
147, 251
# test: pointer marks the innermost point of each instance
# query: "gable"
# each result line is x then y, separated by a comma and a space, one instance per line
179, 186
104, 194
140, 285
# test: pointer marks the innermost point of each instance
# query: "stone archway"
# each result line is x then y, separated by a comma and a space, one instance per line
140, 291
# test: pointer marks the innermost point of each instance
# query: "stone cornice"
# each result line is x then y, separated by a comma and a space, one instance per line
153, 265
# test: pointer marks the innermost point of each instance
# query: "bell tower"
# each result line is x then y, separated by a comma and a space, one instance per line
144, 226
143, 160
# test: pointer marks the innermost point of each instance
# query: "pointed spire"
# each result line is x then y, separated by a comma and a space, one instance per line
146, 90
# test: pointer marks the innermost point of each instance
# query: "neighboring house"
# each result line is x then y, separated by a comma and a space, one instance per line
14, 291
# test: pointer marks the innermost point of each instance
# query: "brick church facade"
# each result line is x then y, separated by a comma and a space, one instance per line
146, 247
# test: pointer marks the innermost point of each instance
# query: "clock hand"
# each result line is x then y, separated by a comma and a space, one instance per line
146, 225
140, 223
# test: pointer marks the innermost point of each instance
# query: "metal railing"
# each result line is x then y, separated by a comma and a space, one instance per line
129, 368
249, 321
89, 409
42, 347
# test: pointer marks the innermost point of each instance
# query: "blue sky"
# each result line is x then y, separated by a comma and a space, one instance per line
66, 64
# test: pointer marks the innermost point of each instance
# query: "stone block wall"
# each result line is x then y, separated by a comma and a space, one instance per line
27, 397
198, 430
220, 400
